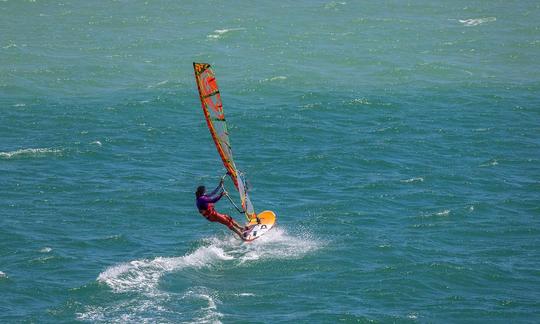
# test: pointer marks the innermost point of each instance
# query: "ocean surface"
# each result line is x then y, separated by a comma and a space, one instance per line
397, 141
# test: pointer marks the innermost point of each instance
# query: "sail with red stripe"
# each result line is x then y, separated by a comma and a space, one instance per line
215, 119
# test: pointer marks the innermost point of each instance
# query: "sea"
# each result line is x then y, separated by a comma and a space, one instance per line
397, 141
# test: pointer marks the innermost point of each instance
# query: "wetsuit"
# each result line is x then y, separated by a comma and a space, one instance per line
205, 204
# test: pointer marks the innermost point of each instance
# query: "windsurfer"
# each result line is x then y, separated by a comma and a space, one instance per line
205, 203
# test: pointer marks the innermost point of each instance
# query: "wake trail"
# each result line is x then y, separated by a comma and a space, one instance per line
144, 275
139, 280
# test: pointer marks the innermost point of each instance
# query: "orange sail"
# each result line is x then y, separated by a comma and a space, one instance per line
215, 119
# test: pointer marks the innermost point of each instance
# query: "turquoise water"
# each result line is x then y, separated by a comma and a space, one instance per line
398, 143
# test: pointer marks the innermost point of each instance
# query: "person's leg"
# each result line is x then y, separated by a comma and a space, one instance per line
227, 221
238, 226
235, 227
237, 231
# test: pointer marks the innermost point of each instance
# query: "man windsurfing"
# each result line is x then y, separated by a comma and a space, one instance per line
205, 203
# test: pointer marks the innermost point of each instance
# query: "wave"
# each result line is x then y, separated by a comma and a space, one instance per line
2, 275
476, 21
30, 152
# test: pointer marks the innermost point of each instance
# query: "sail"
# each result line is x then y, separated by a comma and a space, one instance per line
215, 119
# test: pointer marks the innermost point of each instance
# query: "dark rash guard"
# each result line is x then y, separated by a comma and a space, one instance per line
204, 200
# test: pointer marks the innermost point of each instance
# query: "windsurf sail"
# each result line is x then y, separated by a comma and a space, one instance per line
215, 119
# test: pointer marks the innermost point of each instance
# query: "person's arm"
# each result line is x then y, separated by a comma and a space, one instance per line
220, 186
216, 198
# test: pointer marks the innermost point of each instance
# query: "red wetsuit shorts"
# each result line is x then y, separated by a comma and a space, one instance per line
212, 215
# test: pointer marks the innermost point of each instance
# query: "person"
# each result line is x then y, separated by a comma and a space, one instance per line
205, 203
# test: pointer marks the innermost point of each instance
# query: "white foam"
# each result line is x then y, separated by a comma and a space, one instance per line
218, 33
129, 311
226, 30
208, 314
2, 275
158, 84
245, 295
144, 275
334, 4
417, 179
490, 163
445, 212
92, 314
276, 78
98, 143
476, 21
45, 250
279, 77
360, 101
29, 152
277, 244
412, 316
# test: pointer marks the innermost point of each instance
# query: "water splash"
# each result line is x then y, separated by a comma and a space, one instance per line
278, 244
